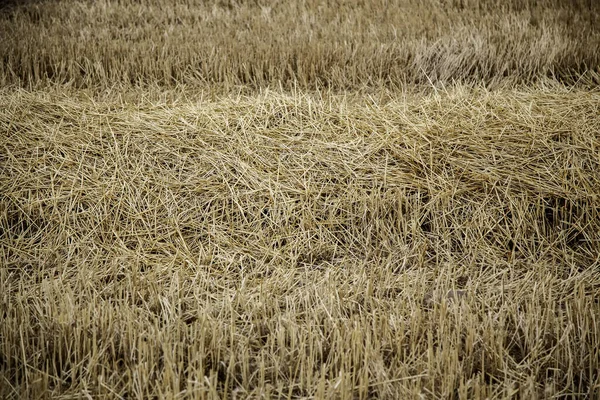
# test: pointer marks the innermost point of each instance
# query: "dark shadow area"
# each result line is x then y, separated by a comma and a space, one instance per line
10, 5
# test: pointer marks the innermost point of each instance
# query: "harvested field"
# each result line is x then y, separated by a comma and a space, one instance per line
280, 245
342, 45
347, 225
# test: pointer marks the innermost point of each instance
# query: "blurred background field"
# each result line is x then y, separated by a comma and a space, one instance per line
308, 44
299, 199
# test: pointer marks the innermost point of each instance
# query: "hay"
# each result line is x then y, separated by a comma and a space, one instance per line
301, 199
340, 45
278, 244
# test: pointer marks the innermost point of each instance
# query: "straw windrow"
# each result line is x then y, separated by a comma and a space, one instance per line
299, 199
284, 244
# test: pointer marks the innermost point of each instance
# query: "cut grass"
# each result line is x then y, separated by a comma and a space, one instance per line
400, 218
300, 245
311, 44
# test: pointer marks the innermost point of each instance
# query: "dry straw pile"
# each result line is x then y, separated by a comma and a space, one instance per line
166, 240
301, 245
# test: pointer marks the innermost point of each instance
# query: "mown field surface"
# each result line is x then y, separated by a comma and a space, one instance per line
309, 44
299, 199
